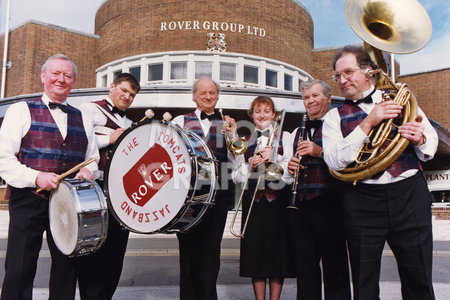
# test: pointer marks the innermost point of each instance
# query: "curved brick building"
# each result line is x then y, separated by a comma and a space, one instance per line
252, 47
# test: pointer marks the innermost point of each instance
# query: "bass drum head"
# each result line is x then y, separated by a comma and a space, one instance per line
147, 177
64, 218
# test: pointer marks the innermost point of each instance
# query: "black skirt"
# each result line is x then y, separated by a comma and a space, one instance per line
264, 249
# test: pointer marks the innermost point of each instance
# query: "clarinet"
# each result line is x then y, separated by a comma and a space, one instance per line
301, 136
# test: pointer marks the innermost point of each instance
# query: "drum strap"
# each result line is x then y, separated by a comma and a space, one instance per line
110, 116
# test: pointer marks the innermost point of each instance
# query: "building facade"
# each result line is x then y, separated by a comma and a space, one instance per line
250, 47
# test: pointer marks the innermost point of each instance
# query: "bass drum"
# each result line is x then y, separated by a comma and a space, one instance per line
160, 178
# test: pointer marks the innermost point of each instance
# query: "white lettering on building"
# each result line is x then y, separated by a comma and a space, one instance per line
212, 25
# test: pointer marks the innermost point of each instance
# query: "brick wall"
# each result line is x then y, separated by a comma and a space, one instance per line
30, 46
432, 90
134, 27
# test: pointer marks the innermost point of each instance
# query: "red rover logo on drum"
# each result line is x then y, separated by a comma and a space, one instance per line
150, 173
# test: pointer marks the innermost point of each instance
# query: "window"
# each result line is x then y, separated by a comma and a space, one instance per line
271, 78
104, 80
178, 70
228, 71
116, 73
250, 74
136, 72
287, 82
203, 69
155, 72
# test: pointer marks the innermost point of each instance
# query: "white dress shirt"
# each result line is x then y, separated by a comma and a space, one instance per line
15, 126
205, 123
241, 167
339, 152
289, 151
99, 120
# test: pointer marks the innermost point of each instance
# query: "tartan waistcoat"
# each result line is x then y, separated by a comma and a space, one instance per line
315, 179
214, 139
352, 115
110, 124
43, 147
264, 188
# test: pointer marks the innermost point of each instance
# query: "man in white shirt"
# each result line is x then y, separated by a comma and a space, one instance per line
41, 139
99, 273
315, 219
200, 246
394, 206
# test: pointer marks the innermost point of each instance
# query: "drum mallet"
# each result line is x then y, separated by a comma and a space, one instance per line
74, 169
167, 116
148, 115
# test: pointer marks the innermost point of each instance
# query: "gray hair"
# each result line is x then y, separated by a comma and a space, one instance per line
195, 86
326, 90
63, 57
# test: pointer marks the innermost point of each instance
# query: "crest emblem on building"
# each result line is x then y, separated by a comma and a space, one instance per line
216, 42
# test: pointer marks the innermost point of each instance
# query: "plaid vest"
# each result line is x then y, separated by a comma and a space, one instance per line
44, 149
214, 139
315, 179
110, 124
352, 115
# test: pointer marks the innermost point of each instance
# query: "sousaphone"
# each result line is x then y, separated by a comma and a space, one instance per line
400, 26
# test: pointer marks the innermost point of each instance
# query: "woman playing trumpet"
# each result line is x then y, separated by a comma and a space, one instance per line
264, 247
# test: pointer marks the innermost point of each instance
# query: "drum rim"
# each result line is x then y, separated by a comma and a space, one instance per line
182, 211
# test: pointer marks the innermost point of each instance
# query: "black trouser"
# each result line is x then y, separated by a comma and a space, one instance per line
28, 221
99, 273
317, 234
400, 214
200, 253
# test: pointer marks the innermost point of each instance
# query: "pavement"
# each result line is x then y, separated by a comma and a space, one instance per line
390, 290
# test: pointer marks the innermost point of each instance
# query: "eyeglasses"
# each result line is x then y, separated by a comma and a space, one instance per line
347, 74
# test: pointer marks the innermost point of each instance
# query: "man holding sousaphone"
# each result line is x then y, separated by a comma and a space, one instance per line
99, 273
200, 246
391, 205
41, 138
315, 212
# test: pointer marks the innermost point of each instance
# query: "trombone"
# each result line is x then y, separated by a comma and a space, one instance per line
235, 144
272, 171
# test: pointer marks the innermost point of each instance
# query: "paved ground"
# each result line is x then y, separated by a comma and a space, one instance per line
390, 289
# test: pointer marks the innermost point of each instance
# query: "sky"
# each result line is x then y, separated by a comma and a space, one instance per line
331, 28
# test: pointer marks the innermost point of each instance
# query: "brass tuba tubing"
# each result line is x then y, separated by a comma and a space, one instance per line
413, 33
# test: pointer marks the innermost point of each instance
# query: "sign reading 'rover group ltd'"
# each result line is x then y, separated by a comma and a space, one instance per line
212, 26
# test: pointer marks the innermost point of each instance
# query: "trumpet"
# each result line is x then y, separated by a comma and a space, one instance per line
235, 144
299, 165
272, 171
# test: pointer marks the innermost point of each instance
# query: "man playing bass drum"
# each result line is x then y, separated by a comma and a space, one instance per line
315, 214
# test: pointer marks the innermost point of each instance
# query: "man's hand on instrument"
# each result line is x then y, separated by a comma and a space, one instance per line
413, 131
382, 111
115, 135
293, 164
309, 148
47, 181
84, 173
232, 124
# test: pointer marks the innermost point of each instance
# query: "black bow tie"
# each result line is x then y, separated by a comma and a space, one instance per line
314, 124
115, 110
210, 117
62, 107
265, 133
367, 99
